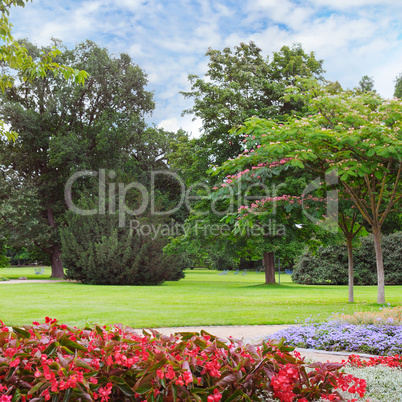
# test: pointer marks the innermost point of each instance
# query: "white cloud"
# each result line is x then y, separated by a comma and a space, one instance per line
351, 4
186, 123
168, 39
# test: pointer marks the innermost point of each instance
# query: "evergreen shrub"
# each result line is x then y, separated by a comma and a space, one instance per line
330, 264
96, 251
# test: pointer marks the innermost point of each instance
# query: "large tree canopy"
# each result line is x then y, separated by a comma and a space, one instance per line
357, 136
241, 83
64, 127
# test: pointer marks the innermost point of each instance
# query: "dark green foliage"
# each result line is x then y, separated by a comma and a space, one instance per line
366, 84
222, 261
4, 260
392, 254
330, 264
27, 256
97, 251
63, 128
398, 86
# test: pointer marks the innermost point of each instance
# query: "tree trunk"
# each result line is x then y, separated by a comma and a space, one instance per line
57, 265
380, 265
350, 269
269, 266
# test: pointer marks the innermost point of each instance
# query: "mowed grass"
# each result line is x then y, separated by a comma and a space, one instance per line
28, 272
202, 298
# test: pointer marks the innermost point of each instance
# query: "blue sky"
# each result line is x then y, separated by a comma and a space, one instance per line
168, 38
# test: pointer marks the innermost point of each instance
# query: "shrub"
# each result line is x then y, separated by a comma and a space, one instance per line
392, 254
330, 264
386, 316
55, 362
97, 251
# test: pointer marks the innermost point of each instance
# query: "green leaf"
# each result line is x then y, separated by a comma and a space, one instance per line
174, 392
17, 396
143, 389
80, 363
68, 343
36, 387
21, 332
68, 394
11, 373
123, 386
379, 175
51, 349
235, 394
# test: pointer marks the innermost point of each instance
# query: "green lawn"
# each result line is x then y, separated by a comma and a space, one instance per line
202, 298
28, 272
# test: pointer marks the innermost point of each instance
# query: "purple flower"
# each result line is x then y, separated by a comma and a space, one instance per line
337, 336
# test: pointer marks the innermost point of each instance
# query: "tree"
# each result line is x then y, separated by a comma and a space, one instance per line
63, 128
366, 84
265, 199
359, 136
14, 55
240, 84
398, 86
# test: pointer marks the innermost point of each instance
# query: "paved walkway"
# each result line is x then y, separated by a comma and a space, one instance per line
256, 333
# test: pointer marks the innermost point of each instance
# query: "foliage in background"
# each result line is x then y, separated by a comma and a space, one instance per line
241, 83
64, 128
329, 265
52, 361
27, 256
356, 137
386, 316
398, 86
4, 260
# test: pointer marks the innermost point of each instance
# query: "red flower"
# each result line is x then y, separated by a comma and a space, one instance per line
46, 394
15, 362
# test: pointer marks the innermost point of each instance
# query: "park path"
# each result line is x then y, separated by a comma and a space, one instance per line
255, 334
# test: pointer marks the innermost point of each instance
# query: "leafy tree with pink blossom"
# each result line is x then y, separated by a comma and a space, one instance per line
357, 136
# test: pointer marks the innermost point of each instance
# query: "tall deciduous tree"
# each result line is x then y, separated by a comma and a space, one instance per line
366, 84
398, 86
241, 83
64, 127
357, 135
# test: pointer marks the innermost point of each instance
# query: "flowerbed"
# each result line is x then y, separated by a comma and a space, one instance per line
338, 336
383, 376
386, 316
52, 361
389, 361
